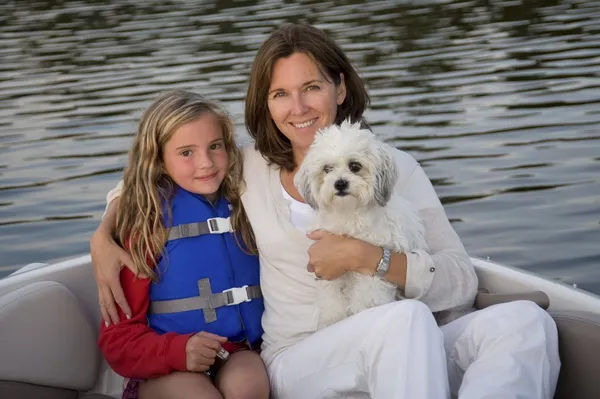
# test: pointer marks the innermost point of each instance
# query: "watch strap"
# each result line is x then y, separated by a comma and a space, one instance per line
384, 263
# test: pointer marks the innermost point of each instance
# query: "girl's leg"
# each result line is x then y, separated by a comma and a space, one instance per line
179, 385
393, 351
507, 351
243, 376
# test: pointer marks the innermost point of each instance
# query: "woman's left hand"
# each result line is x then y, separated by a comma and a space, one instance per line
332, 255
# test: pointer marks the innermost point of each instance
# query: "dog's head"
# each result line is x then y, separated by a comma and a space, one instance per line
346, 167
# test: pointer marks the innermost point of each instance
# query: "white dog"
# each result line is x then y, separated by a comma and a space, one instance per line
348, 178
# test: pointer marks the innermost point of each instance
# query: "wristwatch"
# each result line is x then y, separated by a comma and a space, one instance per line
384, 263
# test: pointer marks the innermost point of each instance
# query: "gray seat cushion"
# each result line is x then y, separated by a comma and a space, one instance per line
579, 343
23, 390
48, 347
19, 390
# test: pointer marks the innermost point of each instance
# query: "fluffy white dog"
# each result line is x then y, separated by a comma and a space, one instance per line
348, 178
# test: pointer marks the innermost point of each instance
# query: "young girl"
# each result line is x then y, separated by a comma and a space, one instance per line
194, 296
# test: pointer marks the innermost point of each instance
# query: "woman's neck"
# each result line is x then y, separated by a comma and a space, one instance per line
298, 158
287, 177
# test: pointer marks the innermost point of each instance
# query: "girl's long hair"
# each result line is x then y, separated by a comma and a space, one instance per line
147, 187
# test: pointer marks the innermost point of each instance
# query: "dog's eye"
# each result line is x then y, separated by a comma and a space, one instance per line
327, 168
354, 166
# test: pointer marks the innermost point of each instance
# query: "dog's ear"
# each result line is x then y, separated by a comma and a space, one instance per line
385, 175
302, 183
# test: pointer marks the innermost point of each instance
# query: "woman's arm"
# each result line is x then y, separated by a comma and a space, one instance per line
131, 347
444, 277
108, 258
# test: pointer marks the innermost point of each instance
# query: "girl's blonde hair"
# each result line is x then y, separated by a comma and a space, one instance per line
146, 185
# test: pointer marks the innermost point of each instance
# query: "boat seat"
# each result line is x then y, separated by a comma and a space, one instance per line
579, 344
48, 345
485, 299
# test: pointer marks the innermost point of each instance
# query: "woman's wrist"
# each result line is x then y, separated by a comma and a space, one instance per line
368, 258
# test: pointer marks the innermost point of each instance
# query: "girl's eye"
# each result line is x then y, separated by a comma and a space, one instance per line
216, 146
327, 168
278, 94
354, 166
312, 87
186, 153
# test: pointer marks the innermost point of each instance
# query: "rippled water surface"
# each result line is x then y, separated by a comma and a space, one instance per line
499, 101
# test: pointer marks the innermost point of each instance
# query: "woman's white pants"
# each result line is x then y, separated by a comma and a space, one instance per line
397, 351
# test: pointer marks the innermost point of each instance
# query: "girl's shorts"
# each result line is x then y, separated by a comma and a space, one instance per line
131, 386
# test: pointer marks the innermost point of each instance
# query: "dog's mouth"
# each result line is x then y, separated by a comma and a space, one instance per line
342, 193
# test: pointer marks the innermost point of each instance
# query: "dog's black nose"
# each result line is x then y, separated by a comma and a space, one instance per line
341, 184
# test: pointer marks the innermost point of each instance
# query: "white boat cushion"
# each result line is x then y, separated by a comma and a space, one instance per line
47, 339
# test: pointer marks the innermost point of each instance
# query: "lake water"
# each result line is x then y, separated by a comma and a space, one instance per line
498, 100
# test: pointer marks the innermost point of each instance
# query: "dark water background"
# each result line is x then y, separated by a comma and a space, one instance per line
499, 100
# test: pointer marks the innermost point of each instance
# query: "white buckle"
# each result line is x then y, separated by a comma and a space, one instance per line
239, 294
219, 225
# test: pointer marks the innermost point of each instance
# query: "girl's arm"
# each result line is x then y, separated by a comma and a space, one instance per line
131, 347
108, 258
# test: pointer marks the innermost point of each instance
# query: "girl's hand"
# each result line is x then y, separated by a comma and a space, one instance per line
108, 258
201, 349
332, 255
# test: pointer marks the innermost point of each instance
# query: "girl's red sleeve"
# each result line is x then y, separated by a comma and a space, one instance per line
131, 347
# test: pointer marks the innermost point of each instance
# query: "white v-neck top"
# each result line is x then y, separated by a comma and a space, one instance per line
300, 212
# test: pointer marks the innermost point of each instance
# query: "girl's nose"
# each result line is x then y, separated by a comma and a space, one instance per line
204, 161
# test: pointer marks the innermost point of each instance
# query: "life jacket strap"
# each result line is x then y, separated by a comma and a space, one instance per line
210, 302
211, 226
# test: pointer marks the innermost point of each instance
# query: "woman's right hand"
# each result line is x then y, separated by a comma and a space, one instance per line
108, 258
201, 350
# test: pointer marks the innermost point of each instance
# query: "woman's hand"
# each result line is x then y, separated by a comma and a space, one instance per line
201, 349
333, 255
108, 258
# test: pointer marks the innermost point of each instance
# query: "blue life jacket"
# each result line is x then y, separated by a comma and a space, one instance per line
216, 257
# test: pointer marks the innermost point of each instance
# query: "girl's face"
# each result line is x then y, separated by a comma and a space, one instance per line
302, 101
195, 157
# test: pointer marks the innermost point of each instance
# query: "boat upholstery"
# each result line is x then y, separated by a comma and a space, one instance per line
579, 345
485, 299
45, 319
48, 347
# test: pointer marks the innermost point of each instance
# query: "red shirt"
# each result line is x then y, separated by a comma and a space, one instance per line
131, 347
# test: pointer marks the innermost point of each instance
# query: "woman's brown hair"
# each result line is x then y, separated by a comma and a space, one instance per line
282, 43
140, 218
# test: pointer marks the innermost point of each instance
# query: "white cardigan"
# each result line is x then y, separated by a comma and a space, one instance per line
443, 280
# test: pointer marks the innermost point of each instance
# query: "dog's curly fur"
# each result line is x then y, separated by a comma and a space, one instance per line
348, 178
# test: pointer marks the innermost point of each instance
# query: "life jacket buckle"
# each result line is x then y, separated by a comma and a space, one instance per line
219, 225
237, 295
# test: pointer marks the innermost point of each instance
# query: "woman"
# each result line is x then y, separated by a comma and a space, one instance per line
300, 82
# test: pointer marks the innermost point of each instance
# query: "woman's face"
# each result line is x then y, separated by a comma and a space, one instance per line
301, 100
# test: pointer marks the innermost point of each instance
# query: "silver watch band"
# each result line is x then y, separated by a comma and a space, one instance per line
384, 263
